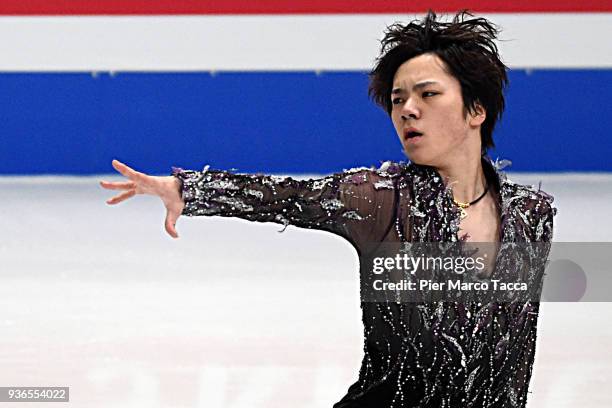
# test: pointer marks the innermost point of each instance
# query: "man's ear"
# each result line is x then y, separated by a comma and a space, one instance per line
478, 116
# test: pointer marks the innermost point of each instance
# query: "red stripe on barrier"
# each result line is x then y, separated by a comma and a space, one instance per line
186, 7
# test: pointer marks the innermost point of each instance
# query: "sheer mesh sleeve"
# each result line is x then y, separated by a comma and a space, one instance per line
356, 204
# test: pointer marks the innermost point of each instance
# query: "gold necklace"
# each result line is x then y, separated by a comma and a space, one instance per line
463, 206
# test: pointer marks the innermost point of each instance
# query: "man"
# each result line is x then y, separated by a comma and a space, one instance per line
442, 85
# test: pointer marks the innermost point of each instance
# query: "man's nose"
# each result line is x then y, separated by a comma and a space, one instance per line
410, 110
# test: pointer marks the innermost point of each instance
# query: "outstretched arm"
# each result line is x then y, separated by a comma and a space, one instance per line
356, 204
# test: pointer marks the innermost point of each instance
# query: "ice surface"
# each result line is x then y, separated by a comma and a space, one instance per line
100, 299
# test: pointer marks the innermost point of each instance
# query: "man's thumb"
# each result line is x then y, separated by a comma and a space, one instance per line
170, 224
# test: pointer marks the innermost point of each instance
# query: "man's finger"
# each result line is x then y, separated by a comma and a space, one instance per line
118, 185
121, 197
170, 224
126, 171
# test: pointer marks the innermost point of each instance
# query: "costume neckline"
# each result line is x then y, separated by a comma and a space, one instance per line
492, 172
494, 175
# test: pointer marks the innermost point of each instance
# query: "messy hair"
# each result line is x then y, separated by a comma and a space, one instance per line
467, 48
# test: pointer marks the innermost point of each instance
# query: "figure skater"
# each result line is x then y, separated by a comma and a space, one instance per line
442, 85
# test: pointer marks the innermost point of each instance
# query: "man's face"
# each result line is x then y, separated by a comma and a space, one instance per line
426, 99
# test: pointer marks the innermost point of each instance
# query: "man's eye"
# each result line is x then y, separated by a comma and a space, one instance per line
396, 101
428, 93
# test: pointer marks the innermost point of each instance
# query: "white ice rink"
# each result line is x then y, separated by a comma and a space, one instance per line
100, 299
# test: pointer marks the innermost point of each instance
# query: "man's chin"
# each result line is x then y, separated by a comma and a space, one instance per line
417, 159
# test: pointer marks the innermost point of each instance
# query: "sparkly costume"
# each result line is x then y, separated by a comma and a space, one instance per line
444, 354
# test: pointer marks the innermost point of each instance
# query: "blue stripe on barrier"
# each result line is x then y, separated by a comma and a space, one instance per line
299, 122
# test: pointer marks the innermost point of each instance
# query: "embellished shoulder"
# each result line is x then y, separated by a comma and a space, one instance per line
381, 178
386, 176
511, 191
531, 207
390, 169
534, 198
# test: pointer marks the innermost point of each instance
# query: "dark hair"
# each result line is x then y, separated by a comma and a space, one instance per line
465, 45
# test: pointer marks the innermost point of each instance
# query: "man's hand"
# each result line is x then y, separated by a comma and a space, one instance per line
166, 188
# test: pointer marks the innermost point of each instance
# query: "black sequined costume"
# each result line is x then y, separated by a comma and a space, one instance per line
443, 354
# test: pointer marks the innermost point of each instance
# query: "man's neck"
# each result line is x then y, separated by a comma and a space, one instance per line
465, 176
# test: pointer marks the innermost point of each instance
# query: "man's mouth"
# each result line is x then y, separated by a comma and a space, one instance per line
411, 134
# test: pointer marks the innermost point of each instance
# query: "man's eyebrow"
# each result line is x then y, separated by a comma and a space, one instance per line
418, 85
